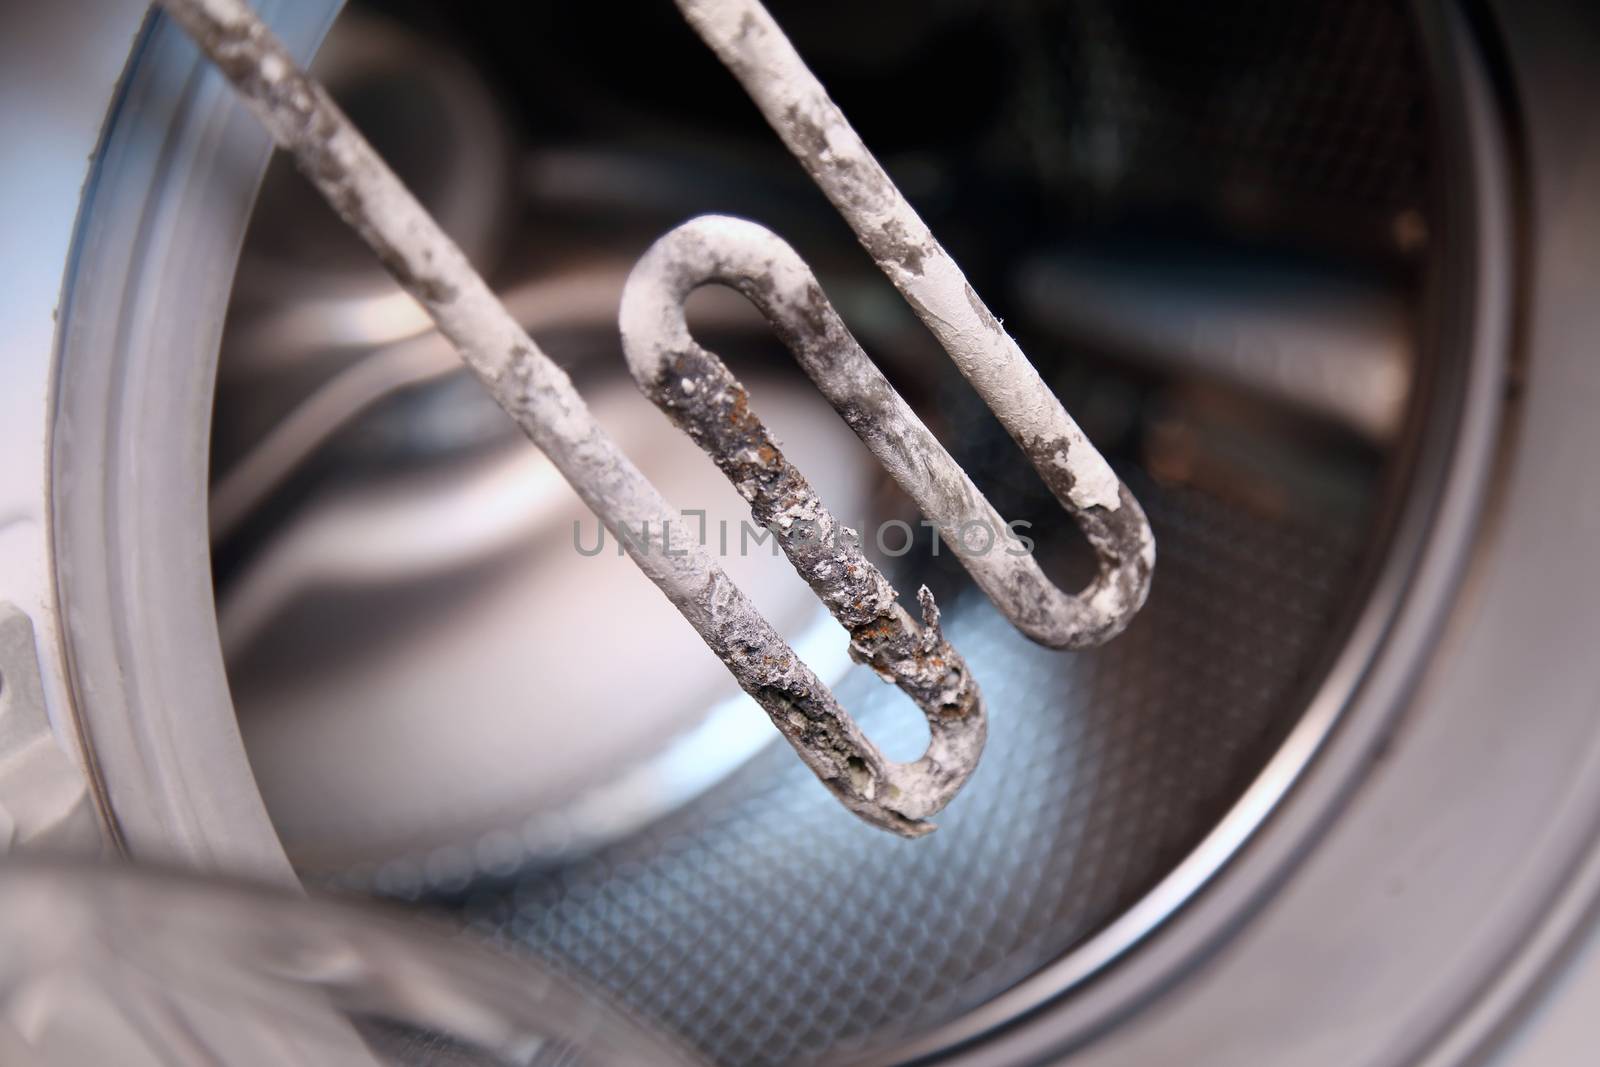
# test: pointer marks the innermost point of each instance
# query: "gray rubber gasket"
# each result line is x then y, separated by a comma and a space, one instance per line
157, 241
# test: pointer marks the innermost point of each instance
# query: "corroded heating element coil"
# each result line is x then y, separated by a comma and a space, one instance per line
699, 393
770, 274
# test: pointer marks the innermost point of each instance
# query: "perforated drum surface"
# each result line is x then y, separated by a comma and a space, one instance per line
766, 927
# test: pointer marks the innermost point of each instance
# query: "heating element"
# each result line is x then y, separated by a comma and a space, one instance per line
702, 397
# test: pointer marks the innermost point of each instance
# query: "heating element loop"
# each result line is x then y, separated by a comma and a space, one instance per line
679, 376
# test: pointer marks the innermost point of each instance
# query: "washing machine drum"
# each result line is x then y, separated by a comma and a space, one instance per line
1267, 256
